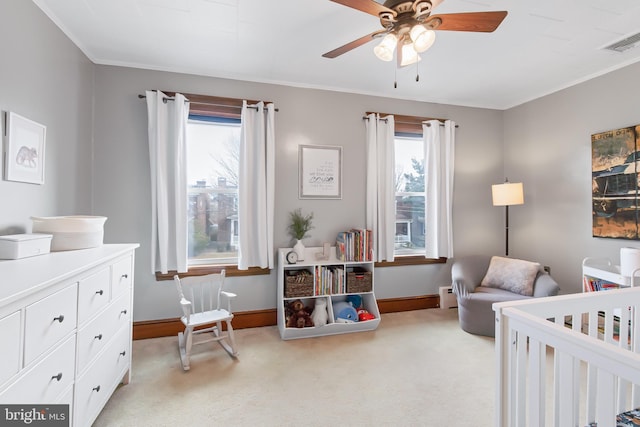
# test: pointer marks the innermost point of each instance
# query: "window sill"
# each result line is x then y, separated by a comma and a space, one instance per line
231, 271
401, 261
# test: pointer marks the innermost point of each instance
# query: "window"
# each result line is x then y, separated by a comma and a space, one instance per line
212, 186
213, 146
410, 195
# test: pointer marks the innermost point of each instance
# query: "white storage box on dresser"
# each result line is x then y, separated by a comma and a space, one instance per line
16, 246
66, 328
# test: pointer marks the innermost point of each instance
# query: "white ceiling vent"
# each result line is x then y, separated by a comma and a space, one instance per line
624, 44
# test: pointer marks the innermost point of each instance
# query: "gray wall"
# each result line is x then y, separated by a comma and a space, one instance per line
97, 162
547, 145
305, 116
46, 78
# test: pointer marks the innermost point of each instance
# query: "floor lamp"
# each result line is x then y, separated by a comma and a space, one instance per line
507, 194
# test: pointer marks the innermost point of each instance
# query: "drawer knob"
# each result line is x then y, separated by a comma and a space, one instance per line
59, 318
98, 337
57, 377
124, 276
122, 353
100, 292
124, 312
96, 388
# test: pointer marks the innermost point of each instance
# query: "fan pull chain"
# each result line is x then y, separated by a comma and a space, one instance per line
395, 77
417, 72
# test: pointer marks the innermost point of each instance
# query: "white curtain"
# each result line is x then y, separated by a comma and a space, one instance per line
256, 186
380, 197
167, 128
439, 149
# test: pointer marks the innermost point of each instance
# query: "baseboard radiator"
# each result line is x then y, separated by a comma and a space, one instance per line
447, 298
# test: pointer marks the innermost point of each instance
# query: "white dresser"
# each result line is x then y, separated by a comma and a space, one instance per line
66, 327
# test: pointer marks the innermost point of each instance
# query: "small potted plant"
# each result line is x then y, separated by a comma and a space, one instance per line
299, 227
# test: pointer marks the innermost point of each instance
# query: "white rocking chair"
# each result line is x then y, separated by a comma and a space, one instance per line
201, 306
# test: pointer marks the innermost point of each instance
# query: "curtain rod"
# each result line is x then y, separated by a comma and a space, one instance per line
385, 120
168, 98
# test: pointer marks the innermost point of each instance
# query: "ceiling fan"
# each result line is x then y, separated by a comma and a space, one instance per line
408, 27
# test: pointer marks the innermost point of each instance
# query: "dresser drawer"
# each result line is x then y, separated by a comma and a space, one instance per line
48, 321
46, 381
10, 338
101, 330
122, 276
93, 294
96, 385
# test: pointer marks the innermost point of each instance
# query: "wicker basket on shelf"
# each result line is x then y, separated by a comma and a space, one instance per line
358, 280
298, 283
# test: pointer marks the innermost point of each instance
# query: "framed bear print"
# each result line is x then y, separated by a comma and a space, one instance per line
24, 149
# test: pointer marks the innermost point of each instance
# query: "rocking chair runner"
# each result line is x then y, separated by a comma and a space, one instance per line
200, 298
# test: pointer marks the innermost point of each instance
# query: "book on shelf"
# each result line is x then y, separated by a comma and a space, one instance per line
355, 245
592, 284
329, 280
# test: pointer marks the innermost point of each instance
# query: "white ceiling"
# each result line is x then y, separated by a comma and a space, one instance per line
542, 46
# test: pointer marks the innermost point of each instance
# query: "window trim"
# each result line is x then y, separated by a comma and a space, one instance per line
201, 270
407, 260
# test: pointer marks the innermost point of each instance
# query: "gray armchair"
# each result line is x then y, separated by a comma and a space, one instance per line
475, 311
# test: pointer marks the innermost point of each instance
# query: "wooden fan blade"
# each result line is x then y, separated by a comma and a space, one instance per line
482, 22
367, 6
352, 45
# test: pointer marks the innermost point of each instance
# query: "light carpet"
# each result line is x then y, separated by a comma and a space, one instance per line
417, 369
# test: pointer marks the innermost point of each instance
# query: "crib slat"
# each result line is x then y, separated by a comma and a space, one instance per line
576, 323
564, 375
605, 405
592, 376
537, 368
557, 390
521, 379
623, 342
512, 376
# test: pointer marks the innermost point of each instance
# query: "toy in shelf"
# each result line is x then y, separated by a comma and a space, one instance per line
298, 315
344, 312
351, 310
364, 315
320, 315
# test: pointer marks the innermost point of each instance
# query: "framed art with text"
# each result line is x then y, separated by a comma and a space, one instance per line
24, 149
320, 170
615, 185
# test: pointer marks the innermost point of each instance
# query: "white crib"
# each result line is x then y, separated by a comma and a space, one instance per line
569, 360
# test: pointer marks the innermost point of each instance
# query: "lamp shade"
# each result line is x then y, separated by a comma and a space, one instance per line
409, 55
384, 50
507, 194
422, 38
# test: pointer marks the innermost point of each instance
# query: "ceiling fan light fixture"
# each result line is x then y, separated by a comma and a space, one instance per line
422, 38
409, 55
384, 50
